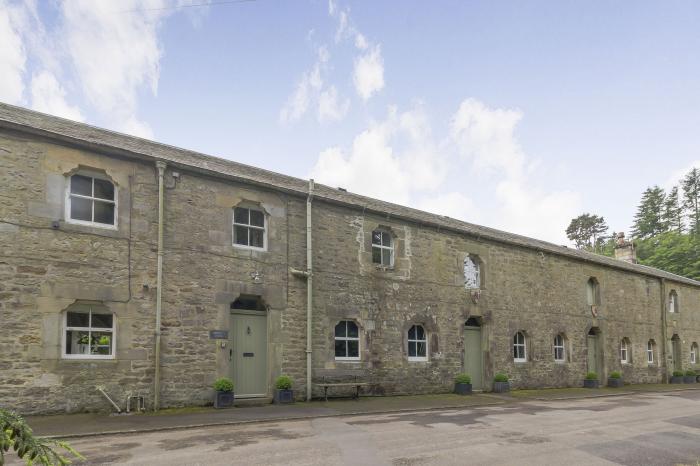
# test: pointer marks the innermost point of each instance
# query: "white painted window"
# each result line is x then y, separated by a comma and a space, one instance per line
693, 353
347, 341
673, 301
91, 201
650, 352
624, 351
382, 248
559, 349
519, 349
249, 228
417, 344
472, 273
88, 334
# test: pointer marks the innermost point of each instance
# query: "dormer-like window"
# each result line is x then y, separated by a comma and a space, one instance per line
417, 344
249, 228
472, 273
382, 248
673, 301
91, 201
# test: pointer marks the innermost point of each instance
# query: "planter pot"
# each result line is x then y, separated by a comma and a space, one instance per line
697, 378
615, 383
676, 379
223, 400
591, 383
689, 378
283, 396
463, 388
501, 387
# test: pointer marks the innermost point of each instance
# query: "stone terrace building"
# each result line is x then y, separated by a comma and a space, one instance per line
401, 299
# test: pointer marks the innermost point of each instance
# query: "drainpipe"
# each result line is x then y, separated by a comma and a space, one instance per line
309, 290
664, 330
159, 290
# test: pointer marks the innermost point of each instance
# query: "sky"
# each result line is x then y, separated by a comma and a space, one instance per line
514, 115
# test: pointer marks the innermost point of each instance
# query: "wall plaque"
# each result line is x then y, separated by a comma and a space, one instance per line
218, 334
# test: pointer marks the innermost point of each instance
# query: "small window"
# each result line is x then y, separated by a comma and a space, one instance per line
417, 344
347, 341
88, 334
673, 301
91, 201
650, 352
593, 292
519, 350
382, 248
249, 228
693, 353
472, 273
624, 351
559, 349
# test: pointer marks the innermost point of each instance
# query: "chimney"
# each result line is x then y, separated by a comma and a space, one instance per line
624, 250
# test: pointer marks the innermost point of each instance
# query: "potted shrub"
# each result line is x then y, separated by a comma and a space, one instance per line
591, 380
500, 383
689, 377
463, 384
615, 380
677, 377
224, 393
283, 390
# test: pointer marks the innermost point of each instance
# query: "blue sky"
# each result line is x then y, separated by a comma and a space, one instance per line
516, 115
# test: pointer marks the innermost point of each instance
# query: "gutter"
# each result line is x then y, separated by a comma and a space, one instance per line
160, 165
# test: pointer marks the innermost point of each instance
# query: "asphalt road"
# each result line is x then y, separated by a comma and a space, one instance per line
650, 429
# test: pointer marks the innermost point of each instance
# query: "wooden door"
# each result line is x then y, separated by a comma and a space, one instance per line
249, 353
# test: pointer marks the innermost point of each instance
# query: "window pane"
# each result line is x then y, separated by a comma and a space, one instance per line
421, 349
257, 218
352, 329
376, 255
240, 215
104, 189
77, 342
376, 237
101, 343
353, 349
412, 333
80, 209
386, 257
340, 348
240, 235
420, 333
256, 238
101, 320
104, 212
78, 319
411, 349
386, 239
340, 330
81, 185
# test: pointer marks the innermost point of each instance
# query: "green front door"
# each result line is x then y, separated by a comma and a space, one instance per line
593, 354
249, 353
473, 358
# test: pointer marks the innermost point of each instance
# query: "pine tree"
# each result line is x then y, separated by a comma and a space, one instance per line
673, 212
691, 202
585, 231
648, 221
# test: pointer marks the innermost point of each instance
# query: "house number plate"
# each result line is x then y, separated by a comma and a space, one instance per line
248, 355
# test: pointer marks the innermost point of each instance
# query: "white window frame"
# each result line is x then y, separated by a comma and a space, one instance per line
673, 302
249, 226
346, 338
693, 353
92, 198
89, 329
624, 352
517, 344
561, 346
416, 341
650, 352
381, 247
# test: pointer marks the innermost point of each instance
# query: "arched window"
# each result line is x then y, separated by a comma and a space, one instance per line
559, 348
88, 332
91, 201
519, 349
650, 351
472, 273
249, 227
382, 248
673, 301
417, 344
693, 353
625, 357
347, 341
593, 292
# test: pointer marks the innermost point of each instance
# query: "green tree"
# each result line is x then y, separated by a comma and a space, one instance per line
691, 201
586, 230
671, 251
673, 212
649, 221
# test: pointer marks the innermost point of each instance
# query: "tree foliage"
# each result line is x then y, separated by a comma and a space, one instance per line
586, 230
691, 201
649, 220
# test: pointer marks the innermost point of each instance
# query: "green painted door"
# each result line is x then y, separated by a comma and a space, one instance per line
676, 352
593, 354
473, 358
249, 354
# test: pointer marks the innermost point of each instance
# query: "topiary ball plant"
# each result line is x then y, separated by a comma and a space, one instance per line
690, 373
615, 375
678, 373
283, 382
224, 384
500, 377
591, 376
463, 378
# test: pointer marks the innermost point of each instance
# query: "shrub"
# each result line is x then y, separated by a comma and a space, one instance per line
500, 377
224, 384
591, 376
678, 373
615, 375
463, 378
690, 373
283, 382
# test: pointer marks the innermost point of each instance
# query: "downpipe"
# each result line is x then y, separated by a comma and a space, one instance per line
309, 290
159, 285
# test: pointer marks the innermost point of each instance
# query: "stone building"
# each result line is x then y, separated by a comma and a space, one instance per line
141, 269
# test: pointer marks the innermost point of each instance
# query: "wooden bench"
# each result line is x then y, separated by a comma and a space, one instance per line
330, 378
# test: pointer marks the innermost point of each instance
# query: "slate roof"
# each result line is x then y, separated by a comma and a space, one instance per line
111, 142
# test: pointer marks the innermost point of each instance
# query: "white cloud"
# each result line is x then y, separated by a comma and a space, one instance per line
330, 108
48, 96
12, 55
361, 42
368, 74
307, 90
678, 175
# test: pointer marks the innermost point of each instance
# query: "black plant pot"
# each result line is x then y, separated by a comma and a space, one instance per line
501, 387
463, 388
697, 378
283, 396
223, 400
615, 383
676, 379
587, 383
689, 378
